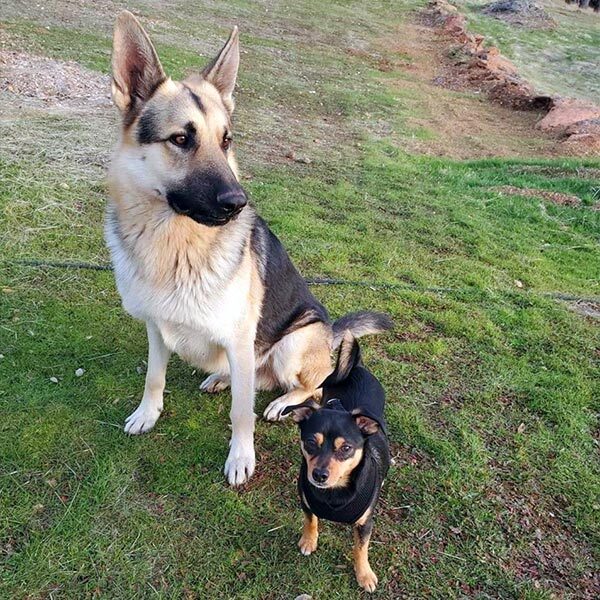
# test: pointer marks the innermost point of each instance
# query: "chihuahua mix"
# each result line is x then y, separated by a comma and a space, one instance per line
345, 455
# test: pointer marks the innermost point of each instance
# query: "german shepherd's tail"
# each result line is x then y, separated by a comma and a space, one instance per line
360, 323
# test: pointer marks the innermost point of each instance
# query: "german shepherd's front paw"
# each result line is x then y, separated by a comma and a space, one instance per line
142, 419
215, 383
240, 463
367, 580
274, 410
307, 544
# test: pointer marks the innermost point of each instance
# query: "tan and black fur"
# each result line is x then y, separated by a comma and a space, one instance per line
193, 260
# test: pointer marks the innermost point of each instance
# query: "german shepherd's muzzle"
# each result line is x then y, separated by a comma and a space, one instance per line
209, 196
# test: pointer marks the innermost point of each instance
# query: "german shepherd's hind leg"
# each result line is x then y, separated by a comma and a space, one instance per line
217, 382
300, 362
241, 460
147, 413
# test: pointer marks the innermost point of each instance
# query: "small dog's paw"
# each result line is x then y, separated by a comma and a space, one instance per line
367, 580
215, 383
307, 545
141, 420
274, 410
240, 463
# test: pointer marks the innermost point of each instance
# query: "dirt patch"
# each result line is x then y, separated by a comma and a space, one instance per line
543, 550
584, 308
485, 69
523, 13
54, 83
455, 120
553, 197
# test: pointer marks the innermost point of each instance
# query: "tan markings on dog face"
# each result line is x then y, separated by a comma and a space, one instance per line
340, 470
319, 438
192, 109
338, 442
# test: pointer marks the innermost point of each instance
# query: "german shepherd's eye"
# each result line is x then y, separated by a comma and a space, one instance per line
179, 139
226, 143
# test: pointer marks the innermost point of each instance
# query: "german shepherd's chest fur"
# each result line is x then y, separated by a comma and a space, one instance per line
195, 286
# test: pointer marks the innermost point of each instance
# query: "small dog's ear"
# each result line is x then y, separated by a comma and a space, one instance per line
366, 424
301, 411
222, 70
136, 70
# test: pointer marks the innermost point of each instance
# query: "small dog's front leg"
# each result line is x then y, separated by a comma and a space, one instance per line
364, 574
310, 534
149, 409
241, 460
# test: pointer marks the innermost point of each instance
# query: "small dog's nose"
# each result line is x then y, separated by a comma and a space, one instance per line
232, 201
320, 475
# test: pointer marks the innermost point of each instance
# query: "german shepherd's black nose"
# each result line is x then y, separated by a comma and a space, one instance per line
232, 201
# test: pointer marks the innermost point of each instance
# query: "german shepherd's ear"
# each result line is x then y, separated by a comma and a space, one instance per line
348, 358
301, 411
222, 70
136, 70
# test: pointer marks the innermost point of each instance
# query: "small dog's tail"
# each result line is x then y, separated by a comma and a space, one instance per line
359, 324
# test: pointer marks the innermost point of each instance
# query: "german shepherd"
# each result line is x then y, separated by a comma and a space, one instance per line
194, 261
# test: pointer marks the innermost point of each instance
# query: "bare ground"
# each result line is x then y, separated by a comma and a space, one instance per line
464, 124
442, 122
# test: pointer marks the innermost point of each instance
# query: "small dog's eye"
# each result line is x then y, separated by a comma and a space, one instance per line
226, 143
345, 448
178, 139
310, 446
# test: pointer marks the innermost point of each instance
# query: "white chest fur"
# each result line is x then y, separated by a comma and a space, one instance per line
198, 301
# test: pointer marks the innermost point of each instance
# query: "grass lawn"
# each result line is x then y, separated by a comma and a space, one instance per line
492, 382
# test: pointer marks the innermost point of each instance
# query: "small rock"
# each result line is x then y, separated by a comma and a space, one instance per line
521, 428
303, 597
64, 186
53, 379
79, 372
518, 283
568, 112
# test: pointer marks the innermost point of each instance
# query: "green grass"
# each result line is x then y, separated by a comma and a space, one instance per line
492, 388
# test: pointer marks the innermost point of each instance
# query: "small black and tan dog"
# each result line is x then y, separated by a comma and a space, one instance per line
345, 455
